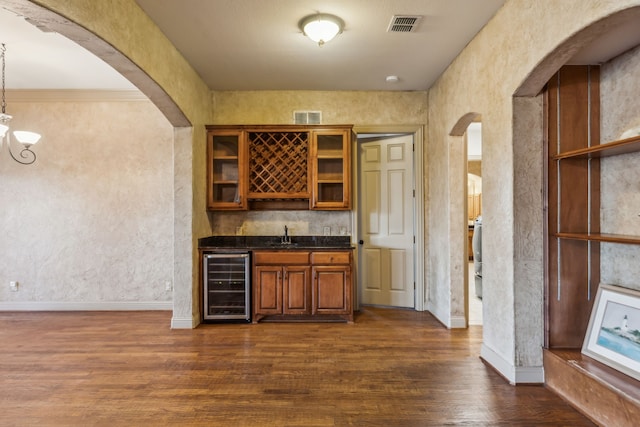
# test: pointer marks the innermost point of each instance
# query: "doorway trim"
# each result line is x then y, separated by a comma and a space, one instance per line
419, 213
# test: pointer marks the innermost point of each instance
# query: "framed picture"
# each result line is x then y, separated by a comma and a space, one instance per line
613, 335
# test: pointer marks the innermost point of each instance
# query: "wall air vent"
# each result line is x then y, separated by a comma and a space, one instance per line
404, 23
307, 117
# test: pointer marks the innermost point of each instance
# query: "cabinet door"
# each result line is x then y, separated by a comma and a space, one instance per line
296, 290
226, 170
331, 170
267, 291
332, 289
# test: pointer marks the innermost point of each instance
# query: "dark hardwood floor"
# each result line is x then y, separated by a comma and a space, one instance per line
389, 368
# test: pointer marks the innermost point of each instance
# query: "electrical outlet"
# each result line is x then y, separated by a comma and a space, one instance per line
13, 286
168, 286
326, 231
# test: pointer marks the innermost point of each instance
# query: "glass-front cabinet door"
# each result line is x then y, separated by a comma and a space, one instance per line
331, 169
226, 170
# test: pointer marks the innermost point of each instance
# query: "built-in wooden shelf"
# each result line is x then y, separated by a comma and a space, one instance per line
622, 146
600, 237
603, 394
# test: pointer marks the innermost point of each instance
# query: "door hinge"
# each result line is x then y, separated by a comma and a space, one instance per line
414, 194
414, 239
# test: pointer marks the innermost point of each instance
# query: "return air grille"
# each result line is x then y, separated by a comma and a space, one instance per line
404, 23
307, 117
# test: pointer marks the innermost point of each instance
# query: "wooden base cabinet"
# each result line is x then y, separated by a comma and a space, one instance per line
302, 285
282, 290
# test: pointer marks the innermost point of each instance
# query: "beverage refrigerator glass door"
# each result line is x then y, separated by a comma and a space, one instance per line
226, 289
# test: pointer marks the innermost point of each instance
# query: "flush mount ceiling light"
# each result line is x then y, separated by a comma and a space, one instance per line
27, 139
321, 27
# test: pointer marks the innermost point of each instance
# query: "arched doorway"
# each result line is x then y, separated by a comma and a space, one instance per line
185, 311
463, 287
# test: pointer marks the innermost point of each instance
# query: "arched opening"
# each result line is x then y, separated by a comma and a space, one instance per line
531, 263
466, 289
105, 151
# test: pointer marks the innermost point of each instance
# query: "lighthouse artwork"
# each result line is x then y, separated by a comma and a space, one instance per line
613, 335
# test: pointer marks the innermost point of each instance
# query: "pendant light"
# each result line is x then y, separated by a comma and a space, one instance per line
26, 138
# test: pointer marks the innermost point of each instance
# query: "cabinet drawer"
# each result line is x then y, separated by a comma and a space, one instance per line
331, 257
281, 258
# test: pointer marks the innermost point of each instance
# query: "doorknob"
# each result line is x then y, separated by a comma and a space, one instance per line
361, 242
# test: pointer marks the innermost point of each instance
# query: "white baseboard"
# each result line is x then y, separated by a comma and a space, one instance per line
458, 322
515, 375
85, 306
442, 317
183, 323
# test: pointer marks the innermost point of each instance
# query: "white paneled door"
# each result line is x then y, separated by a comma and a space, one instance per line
386, 221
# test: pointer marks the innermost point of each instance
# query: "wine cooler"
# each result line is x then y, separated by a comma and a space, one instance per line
227, 293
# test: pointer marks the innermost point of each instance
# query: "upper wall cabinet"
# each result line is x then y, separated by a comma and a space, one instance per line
226, 170
279, 167
331, 169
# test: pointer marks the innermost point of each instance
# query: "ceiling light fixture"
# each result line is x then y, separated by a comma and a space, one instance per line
321, 27
27, 139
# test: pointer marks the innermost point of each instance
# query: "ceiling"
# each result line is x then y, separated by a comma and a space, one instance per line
39, 60
257, 45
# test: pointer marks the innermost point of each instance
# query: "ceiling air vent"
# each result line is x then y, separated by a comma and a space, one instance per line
404, 23
307, 117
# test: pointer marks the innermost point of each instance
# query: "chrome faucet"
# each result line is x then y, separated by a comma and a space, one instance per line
286, 239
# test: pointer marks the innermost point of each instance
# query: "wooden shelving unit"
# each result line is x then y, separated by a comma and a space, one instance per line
613, 148
599, 237
573, 247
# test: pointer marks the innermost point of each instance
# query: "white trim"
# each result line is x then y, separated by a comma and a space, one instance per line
182, 323
85, 306
418, 172
442, 316
50, 95
504, 367
530, 375
513, 374
458, 322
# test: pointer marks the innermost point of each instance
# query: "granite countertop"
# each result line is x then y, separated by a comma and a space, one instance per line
274, 242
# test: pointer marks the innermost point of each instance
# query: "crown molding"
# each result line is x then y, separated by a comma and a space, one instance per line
73, 95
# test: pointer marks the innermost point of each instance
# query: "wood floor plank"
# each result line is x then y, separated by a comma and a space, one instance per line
389, 368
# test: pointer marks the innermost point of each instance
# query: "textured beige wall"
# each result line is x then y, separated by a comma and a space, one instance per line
523, 37
338, 107
90, 224
620, 175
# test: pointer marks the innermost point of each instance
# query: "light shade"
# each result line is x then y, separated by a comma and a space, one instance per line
25, 137
3, 130
321, 28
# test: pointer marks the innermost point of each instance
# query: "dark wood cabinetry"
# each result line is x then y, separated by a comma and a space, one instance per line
226, 170
302, 285
330, 173
279, 167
